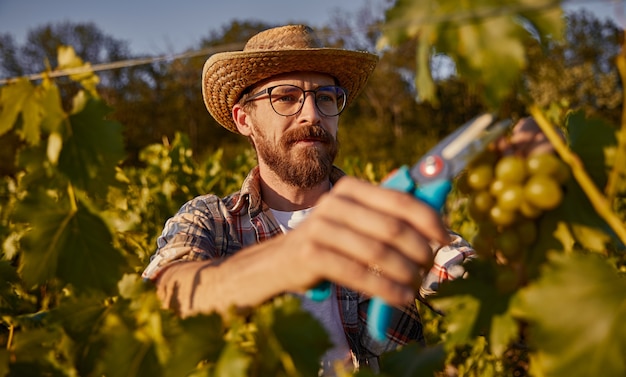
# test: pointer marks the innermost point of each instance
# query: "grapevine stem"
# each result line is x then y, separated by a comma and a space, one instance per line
72, 198
11, 329
598, 201
620, 156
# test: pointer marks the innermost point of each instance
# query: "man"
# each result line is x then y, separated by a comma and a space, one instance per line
295, 223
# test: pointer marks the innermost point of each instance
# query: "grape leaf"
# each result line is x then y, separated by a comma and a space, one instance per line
594, 141
126, 354
5, 357
12, 99
7, 295
49, 98
68, 59
288, 337
232, 362
413, 360
575, 312
40, 352
484, 38
95, 147
31, 117
189, 349
73, 245
475, 306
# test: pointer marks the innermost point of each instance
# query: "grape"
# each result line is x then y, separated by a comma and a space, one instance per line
482, 245
508, 243
511, 169
479, 177
529, 211
543, 192
548, 164
511, 197
482, 201
507, 280
526, 231
506, 196
501, 216
496, 187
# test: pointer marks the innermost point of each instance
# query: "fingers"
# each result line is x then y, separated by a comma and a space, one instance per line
352, 274
526, 139
370, 239
395, 205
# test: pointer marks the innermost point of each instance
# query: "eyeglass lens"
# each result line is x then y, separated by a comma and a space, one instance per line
288, 99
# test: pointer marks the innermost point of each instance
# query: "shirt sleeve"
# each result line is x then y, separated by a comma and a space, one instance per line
448, 264
188, 235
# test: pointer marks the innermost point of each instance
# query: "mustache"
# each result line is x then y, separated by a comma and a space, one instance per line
307, 132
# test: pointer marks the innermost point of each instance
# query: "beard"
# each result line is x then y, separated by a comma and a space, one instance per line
297, 166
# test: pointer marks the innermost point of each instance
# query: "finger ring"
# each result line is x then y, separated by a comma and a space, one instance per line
374, 269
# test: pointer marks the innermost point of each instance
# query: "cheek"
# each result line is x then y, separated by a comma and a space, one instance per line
332, 128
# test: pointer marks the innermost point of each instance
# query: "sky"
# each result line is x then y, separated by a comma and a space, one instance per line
155, 27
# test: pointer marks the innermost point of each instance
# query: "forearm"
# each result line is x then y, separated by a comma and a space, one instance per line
243, 280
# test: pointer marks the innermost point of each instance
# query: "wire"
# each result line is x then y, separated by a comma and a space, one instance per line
126, 63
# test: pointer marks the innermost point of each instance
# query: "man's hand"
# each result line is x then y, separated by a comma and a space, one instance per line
366, 238
526, 139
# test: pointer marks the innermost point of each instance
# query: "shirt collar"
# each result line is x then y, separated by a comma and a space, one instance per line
250, 192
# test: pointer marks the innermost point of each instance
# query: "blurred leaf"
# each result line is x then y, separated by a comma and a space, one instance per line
12, 99
414, 360
41, 352
51, 106
80, 316
8, 277
472, 304
31, 116
289, 339
127, 355
71, 244
504, 329
484, 38
68, 59
232, 362
594, 141
4, 362
199, 339
94, 149
575, 314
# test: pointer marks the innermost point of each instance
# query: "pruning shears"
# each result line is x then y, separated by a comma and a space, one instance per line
430, 180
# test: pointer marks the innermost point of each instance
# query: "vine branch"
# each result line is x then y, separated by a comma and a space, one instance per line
598, 201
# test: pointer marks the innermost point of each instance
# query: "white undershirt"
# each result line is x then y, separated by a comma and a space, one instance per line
327, 311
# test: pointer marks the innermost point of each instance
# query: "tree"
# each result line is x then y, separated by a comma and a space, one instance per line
579, 73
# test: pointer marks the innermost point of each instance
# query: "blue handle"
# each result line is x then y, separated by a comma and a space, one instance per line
433, 194
320, 293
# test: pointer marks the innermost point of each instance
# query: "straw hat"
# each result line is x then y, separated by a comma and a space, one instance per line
284, 49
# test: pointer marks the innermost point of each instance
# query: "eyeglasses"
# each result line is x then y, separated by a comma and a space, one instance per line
287, 100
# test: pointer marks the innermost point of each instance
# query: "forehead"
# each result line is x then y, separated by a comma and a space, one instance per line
299, 78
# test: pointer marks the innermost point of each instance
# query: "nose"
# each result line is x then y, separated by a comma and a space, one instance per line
309, 109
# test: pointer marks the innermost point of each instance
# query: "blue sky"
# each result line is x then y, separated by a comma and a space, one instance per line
156, 27
165, 26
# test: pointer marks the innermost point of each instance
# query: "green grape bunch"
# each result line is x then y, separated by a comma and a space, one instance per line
506, 196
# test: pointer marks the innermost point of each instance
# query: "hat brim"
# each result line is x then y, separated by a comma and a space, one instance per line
226, 75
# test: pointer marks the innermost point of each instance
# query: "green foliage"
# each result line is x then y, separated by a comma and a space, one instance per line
583, 341
77, 227
484, 38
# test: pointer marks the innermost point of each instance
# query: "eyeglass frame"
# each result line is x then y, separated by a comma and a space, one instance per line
268, 91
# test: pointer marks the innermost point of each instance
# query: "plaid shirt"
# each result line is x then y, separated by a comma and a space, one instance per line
208, 227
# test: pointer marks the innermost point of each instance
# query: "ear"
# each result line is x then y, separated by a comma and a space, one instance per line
242, 120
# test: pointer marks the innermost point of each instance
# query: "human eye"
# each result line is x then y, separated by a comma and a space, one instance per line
285, 94
326, 95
